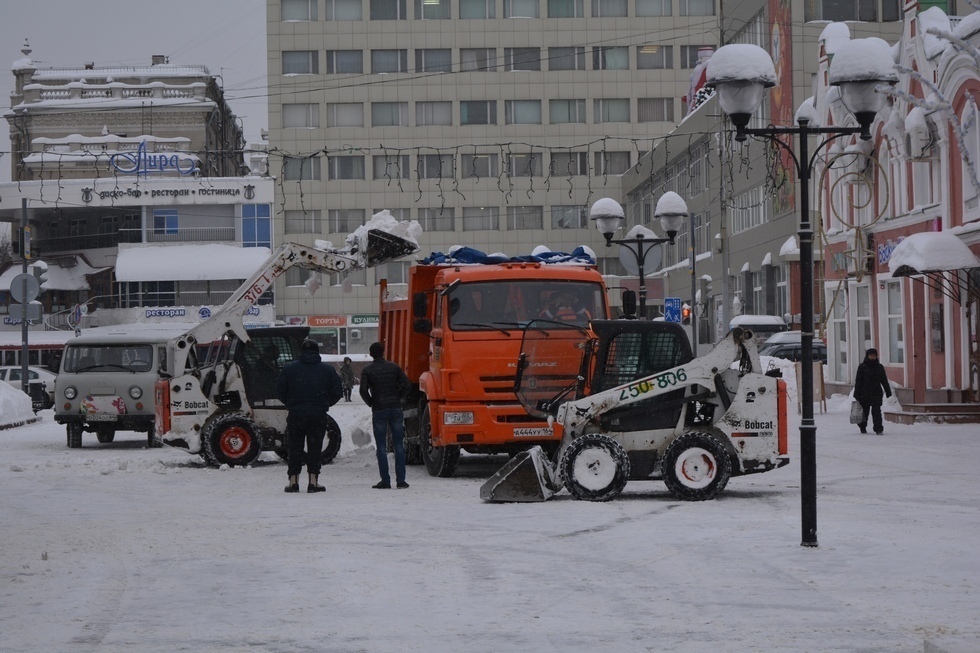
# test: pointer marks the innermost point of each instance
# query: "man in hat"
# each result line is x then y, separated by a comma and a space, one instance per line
308, 387
870, 385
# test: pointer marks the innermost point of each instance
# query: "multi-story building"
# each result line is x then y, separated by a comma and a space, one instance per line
120, 175
494, 123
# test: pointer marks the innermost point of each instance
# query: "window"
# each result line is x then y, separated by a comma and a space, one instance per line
922, 179
566, 9
863, 330
478, 112
524, 165
302, 222
749, 209
344, 10
296, 168
480, 218
388, 10
296, 277
841, 10
565, 111
611, 163
471, 59
354, 277
435, 166
568, 164
891, 10
298, 10
345, 115
391, 166
566, 58
654, 57
431, 9
300, 116
611, 266
617, 110
344, 221
345, 62
570, 217
478, 9
389, 61
653, 8
433, 113
525, 217
521, 9
256, 225
522, 112
971, 141
758, 294
689, 55
655, 109
345, 167
164, 222
394, 271
479, 165
389, 114
610, 58
896, 322
700, 7
698, 170
433, 61
439, 219
522, 59
609, 8
300, 62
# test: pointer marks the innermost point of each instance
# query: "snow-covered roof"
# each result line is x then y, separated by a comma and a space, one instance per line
933, 18
166, 262
739, 320
158, 70
66, 274
931, 252
789, 247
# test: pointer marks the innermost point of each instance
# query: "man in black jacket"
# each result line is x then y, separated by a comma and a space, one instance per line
870, 384
383, 386
308, 387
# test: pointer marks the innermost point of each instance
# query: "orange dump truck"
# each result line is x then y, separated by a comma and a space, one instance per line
457, 335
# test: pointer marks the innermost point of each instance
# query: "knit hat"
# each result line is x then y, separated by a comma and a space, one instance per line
871, 351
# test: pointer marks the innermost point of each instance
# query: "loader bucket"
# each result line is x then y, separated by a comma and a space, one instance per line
527, 477
383, 246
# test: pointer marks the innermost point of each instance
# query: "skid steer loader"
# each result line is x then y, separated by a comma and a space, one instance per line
630, 402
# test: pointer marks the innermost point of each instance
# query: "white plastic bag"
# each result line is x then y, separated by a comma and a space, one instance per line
857, 412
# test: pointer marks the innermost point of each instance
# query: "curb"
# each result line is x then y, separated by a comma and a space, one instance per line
14, 425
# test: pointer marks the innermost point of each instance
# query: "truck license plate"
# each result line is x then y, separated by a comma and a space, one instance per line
532, 433
101, 417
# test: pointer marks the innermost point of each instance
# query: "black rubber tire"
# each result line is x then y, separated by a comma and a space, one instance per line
439, 461
332, 440
696, 467
105, 434
595, 468
413, 446
74, 435
230, 439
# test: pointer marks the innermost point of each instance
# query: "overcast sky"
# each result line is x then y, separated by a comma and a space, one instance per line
227, 36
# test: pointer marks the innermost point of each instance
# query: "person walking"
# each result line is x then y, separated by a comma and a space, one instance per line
308, 387
383, 386
347, 377
870, 384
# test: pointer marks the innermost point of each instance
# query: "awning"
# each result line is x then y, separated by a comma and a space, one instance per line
211, 262
941, 261
65, 273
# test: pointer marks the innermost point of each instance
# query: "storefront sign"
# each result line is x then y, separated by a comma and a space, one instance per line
885, 250
142, 163
327, 320
367, 318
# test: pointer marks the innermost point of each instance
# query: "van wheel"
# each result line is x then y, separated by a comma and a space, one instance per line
74, 435
439, 461
595, 468
230, 439
105, 434
696, 467
331, 442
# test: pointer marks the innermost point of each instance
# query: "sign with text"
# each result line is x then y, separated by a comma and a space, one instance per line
672, 309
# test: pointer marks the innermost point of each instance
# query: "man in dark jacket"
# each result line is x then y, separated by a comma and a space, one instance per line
870, 384
308, 387
383, 386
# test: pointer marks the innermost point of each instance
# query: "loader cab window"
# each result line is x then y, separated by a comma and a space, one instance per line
633, 356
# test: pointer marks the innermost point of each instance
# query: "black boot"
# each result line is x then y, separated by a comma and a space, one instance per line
314, 486
293, 484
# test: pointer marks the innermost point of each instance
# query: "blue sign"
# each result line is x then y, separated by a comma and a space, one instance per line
672, 309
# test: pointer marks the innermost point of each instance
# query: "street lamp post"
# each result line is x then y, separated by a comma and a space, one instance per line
609, 216
740, 73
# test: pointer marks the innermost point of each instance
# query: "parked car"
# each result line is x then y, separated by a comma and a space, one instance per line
793, 350
763, 326
13, 374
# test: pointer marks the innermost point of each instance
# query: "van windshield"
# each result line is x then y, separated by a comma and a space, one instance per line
79, 359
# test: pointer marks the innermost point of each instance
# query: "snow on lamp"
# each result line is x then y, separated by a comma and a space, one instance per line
740, 73
608, 215
858, 68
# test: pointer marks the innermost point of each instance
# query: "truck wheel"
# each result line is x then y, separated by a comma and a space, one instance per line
595, 468
413, 447
230, 439
74, 435
439, 461
105, 434
696, 467
331, 442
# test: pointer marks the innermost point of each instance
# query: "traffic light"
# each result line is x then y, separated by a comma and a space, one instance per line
686, 314
40, 270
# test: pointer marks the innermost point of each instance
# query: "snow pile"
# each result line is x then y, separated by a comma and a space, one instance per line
808, 112
834, 36
968, 26
789, 247
15, 405
931, 251
741, 61
863, 60
384, 221
933, 18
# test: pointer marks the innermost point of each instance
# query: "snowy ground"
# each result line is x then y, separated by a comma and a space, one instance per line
122, 548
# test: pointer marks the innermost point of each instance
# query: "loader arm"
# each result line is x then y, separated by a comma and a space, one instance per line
229, 318
738, 346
